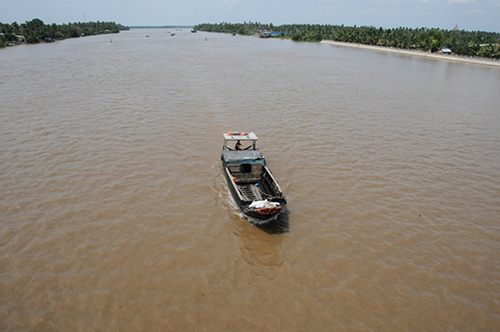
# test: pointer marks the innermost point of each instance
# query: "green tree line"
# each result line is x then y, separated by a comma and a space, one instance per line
467, 43
35, 31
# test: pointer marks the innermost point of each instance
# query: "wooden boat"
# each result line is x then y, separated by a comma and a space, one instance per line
251, 183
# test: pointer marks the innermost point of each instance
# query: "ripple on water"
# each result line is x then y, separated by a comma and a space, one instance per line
115, 212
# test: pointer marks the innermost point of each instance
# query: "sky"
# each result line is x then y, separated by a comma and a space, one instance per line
468, 15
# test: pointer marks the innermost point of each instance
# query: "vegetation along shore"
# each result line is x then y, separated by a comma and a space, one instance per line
431, 40
457, 45
35, 31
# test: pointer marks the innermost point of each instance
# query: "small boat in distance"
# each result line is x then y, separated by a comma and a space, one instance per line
262, 34
251, 183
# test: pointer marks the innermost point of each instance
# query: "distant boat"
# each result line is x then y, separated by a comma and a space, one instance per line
193, 31
262, 34
172, 34
146, 36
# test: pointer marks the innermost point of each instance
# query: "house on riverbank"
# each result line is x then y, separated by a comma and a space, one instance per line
12, 39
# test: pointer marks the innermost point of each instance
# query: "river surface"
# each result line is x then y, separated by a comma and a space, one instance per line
115, 216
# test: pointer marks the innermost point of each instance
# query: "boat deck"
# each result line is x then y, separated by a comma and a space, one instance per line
250, 191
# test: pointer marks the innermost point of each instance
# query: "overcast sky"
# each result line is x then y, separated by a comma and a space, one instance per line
467, 14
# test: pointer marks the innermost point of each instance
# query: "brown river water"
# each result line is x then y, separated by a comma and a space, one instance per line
115, 215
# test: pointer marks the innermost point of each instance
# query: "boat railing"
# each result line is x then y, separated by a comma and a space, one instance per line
267, 175
233, 184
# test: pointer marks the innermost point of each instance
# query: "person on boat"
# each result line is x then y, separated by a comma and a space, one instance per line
238, 146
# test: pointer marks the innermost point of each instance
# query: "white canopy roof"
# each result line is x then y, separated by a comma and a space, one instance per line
242, 137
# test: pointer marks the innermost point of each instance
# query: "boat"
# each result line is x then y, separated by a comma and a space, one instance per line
251, 183
262, 34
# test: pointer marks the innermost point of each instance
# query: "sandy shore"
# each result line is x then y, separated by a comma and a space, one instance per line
484, 62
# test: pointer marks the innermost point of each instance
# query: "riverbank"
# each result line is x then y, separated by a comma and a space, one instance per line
456, 58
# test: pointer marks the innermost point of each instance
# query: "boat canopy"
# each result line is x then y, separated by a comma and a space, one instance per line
243, 156
233, 136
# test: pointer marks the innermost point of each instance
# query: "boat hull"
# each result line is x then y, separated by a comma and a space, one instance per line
254, 215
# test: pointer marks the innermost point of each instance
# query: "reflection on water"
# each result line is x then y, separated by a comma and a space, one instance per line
278, 226
258, 249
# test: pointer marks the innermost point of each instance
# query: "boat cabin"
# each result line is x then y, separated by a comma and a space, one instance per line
248, 140
245, 165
